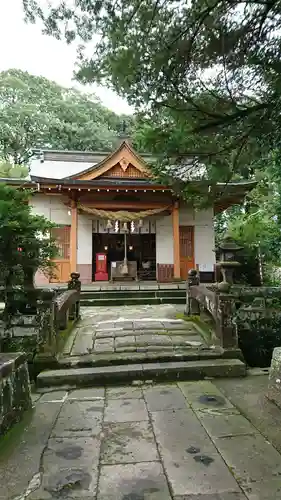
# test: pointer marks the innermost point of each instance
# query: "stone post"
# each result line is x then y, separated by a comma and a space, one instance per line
74, 282
192, 305
225, 328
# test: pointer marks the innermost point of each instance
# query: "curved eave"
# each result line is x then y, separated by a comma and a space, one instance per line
109, 183
227, 195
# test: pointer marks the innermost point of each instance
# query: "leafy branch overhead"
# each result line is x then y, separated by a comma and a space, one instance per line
206, 75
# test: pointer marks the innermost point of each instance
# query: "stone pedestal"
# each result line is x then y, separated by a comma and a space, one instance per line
274, 385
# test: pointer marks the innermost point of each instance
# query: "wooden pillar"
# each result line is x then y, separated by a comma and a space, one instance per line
73, 237
176, 237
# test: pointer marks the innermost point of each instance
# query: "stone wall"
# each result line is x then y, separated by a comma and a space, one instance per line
15, 396
274, 385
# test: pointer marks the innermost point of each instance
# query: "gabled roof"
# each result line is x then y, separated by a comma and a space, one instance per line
123, 156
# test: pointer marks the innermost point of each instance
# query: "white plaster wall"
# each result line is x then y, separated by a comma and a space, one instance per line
164, 241
52, 207
57, 169
84, 238
186, 216
204, 240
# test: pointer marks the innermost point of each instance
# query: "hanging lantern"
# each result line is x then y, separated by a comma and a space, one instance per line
116, 226
109, 225
132, 226
125, 226
140, 223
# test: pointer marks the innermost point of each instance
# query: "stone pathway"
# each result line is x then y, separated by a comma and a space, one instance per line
129, 329
147, 442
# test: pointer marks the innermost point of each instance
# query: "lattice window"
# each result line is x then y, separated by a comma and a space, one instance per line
61, 235
186, 241
131, 171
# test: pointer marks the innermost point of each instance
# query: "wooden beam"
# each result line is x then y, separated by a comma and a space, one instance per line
176, 236
86, 187
73, 237
123, 205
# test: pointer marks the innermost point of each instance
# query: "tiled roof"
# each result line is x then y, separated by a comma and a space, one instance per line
105, 181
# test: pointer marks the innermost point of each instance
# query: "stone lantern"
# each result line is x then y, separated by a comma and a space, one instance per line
228, 250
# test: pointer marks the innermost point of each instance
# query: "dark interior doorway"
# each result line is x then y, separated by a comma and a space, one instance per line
140, 248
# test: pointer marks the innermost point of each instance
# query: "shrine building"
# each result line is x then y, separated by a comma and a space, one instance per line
115, 221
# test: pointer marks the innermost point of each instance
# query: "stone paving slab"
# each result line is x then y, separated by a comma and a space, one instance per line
125, 392
66, 452
142, 481
268, 489
104, 345
217, 496
223, 425
128, 442
160, 398
69, 484
91, 394
125, 410
250, 458
204, 394
190, 459
79, 418
141, 442
54, 397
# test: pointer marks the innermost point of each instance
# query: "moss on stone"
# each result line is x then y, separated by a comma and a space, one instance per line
199, 325
11, 439
63, 336
20, 344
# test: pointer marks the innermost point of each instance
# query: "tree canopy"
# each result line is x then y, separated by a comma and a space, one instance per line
206, 73
36, 112
25, 244
8, 170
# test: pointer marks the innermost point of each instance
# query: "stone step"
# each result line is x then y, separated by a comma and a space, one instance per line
120, 294
132, 301
119, 358
180, 370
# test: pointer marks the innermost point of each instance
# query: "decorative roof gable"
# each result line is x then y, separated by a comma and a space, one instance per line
123, 162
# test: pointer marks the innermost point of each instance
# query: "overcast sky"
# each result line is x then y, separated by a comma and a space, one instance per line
24, 47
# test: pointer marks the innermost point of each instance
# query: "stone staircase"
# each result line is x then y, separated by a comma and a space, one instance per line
125, 295
134, 343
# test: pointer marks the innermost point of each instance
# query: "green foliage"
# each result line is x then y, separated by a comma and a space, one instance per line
25, 245
256, 225
206, 75
8, 170
36, 112
259, 331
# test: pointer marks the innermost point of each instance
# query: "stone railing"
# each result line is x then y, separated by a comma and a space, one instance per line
38, 319
244, 317
15, 397
220, 305
67, 307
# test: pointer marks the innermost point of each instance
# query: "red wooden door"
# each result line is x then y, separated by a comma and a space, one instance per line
186, 250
